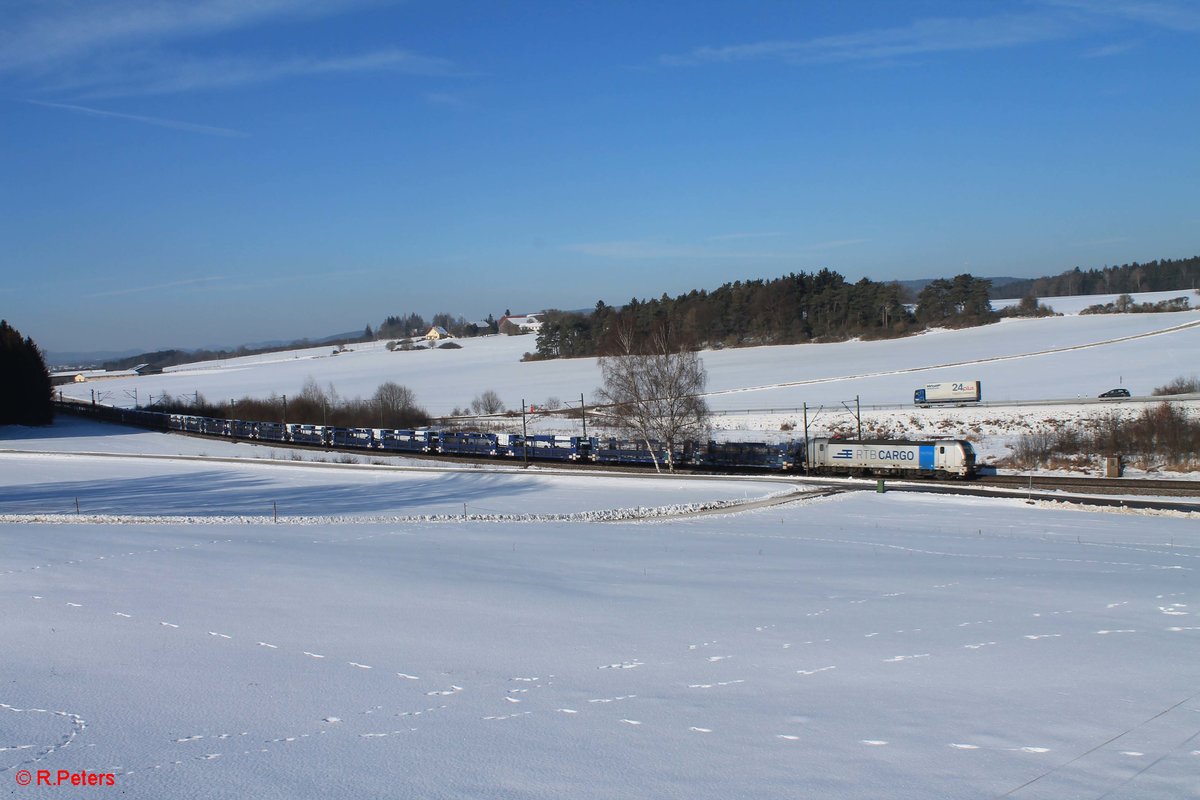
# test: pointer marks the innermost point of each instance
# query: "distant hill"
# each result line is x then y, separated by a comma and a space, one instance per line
172, 357
84, 360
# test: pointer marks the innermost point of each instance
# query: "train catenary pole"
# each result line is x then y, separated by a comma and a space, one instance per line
583, 414
524, 435
806, 438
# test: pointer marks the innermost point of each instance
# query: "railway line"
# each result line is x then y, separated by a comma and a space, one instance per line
1072, 497
1180, 495
1109, 486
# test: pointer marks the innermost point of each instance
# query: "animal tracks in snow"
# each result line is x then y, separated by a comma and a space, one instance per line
37, 752
814, 671
714, 685
1026, 749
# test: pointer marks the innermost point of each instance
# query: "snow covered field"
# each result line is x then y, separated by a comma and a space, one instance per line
859, 647
448, 633
1027, 359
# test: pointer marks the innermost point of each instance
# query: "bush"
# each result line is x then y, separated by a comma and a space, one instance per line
1161, 435
487, 403
1180, 385
392, 406
1028, 307
1125, 305
450, 346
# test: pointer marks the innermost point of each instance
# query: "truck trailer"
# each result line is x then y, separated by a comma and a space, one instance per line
955, 392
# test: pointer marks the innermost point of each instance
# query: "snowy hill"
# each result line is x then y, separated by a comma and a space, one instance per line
1028, 367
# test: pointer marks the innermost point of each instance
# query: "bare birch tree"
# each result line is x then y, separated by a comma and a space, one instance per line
655, 395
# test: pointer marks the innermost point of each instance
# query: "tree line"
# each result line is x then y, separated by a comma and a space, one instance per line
404, 326
391, 406
1152, 276
796, 308
26, 395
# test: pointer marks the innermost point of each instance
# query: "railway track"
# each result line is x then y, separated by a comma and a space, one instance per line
1129, 486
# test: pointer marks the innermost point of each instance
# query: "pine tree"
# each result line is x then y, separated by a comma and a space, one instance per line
25, 394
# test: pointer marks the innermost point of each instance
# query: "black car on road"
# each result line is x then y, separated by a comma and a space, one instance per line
1115, 393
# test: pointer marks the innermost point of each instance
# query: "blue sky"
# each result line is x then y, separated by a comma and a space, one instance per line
211, 172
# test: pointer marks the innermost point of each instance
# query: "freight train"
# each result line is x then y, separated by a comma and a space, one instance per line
941, 458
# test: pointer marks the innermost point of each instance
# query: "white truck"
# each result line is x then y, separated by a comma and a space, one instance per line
952, 392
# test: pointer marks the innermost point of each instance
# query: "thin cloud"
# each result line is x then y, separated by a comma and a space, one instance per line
132, 47
45, 33
174, 124
1053, 20
158, 74
1155, 13
934, 35
1111, 50
157, 287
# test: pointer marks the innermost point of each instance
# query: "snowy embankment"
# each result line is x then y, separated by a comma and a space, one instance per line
83, 472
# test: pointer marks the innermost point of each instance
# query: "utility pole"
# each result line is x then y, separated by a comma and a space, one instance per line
805, 438
583, 414
857, 414
284, 409
524, 435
